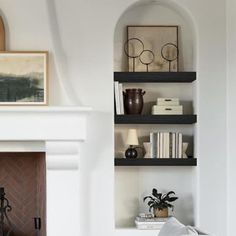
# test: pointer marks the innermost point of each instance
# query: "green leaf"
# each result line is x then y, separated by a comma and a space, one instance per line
172, 199
167, 196
148, 197
150, 208
150, 203
164, 196
155, 192
170, 205
171, 192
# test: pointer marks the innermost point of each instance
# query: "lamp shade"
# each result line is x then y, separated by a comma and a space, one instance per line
132, 137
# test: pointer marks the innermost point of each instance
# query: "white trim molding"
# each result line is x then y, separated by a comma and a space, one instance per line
62, 155
43, 123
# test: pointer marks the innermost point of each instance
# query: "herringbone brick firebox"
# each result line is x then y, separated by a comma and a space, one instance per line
23, 175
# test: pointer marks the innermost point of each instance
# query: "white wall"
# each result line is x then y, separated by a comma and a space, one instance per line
132, 184
212, 124
79, 35
231, 96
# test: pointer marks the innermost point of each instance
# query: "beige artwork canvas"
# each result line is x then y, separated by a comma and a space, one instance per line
153, 38
23, 78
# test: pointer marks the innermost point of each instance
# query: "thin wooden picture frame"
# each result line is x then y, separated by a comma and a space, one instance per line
159, 64
2, 35
24, 78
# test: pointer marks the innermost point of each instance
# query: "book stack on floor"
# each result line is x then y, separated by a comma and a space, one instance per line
145, 222
166, 145
119, 99
167, 106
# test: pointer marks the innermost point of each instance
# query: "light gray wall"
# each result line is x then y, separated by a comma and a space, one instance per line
79, 35
231, 113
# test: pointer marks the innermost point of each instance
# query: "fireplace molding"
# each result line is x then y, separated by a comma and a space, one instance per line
59, 132
43, 123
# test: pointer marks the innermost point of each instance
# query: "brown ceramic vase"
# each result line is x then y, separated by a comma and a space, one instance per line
133, 101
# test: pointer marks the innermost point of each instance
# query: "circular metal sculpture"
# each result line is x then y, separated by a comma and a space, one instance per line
170, 53
147, 57
133, 48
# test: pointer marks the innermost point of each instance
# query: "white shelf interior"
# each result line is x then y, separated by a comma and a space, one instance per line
133, 183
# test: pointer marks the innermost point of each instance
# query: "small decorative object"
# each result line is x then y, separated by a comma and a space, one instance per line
168, 101
147, 222
147, 147
132, 140
5, 223
160, 203
153, 39
170, 53
147, 57
133, 101
185, 147
167, 110
167, 106
23, 78
134, 47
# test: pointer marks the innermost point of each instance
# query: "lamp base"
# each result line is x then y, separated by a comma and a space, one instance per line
131, 153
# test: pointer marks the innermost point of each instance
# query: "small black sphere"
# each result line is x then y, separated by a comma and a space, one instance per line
131, 153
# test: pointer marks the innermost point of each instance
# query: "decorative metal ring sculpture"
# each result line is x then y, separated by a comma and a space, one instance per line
168, 57
135, 55
147, 54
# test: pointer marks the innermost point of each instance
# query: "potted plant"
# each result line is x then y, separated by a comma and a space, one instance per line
160, 203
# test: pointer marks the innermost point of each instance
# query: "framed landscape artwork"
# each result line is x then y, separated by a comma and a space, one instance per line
157, 39
23, 78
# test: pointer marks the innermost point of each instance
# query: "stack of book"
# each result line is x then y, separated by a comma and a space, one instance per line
167, 106
144, 222
119, 99
166, 145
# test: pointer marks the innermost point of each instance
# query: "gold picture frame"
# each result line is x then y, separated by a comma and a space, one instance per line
24, 78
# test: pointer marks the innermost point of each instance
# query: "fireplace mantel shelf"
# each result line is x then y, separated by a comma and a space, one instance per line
45, 109
43, 123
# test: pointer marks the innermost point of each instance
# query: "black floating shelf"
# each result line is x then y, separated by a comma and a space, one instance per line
155, 77
155, 162
155, 119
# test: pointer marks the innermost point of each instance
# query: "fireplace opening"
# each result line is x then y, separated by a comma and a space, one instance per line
23, 180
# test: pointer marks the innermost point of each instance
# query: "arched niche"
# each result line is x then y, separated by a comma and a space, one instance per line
138, 182
157, 12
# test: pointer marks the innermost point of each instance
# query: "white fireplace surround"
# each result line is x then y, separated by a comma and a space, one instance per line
59, 132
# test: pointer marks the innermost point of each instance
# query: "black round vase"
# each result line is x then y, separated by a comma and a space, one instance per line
131, 153
133, 101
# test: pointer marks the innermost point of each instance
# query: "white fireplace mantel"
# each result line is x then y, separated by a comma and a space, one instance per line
43, 123
59, 132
